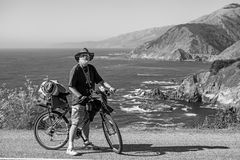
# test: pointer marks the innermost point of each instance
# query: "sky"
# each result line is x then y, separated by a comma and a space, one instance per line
36, 23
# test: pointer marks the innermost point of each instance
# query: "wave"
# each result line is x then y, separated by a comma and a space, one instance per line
148, 75
133, 102
171, 125
139, 90
158, 82
130, 96
147, 109
190, 114
155, 68
137, 93
186, 108
170, 87
210, 106
156, 119
135, 109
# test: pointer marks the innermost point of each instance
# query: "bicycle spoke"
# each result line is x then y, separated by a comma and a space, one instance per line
112, 134
51, 131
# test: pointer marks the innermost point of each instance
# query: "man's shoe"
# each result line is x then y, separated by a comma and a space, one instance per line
72, 152
89, 145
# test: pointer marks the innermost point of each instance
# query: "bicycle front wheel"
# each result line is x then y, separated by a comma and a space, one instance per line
51, 130
112, 133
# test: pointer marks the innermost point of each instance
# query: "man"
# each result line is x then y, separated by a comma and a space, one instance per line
82, 80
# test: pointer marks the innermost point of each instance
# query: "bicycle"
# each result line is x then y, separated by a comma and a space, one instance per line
51, 127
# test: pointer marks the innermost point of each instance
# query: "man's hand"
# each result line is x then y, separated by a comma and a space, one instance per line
82, 99
112, 90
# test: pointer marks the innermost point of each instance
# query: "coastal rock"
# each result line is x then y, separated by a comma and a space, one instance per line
222, 88
188, 90
179, 55
157, 93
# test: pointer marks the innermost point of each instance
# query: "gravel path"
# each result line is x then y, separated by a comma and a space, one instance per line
184, 144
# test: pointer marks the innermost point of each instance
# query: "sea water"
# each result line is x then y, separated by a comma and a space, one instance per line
130, 76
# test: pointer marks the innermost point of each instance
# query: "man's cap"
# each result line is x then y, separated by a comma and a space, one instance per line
83, 51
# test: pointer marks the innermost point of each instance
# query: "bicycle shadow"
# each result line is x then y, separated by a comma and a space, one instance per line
149, 150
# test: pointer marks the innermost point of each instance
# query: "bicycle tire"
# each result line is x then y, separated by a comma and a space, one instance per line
109, 125
41, 128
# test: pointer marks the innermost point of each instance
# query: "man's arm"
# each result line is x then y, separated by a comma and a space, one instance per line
75, 92
107, 86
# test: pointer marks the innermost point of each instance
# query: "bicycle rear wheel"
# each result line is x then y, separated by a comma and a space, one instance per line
51, 130
112, 133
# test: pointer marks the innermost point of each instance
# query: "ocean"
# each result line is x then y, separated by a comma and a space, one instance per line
130, 77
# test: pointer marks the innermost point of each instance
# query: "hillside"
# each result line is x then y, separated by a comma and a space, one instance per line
192, 39
203, 37
128, 40
231, 52
227, 18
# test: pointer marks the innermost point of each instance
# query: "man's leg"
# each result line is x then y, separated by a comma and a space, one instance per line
85, 134
71, 136
72, 131
85, 130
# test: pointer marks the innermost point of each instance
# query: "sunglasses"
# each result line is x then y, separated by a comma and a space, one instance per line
86, 56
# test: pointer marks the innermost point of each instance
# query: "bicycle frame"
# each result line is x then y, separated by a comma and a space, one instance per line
103, 97
52, 111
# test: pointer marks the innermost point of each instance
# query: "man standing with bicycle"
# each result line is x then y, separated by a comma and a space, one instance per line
82, 80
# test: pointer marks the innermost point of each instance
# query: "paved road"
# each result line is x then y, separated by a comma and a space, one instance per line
162, 144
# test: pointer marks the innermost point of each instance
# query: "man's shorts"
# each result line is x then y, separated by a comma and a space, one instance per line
79, 115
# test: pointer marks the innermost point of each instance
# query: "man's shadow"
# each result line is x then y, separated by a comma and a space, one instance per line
149, 150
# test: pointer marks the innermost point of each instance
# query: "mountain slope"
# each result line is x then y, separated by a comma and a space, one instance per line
227, 18
128, 40
205, 36
231, 52
194, 39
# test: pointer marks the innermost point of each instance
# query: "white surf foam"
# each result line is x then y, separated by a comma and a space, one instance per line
137, 93
190, 114
170, 87
135, 109
148, 75
186, 108
158, 82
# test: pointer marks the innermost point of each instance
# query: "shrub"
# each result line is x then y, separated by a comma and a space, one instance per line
238, 65
17, 106
224, 118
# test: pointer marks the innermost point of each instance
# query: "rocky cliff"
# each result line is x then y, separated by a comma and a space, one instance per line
202, 38
222, 87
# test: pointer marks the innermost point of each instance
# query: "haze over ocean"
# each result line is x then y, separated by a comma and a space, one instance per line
129, 76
